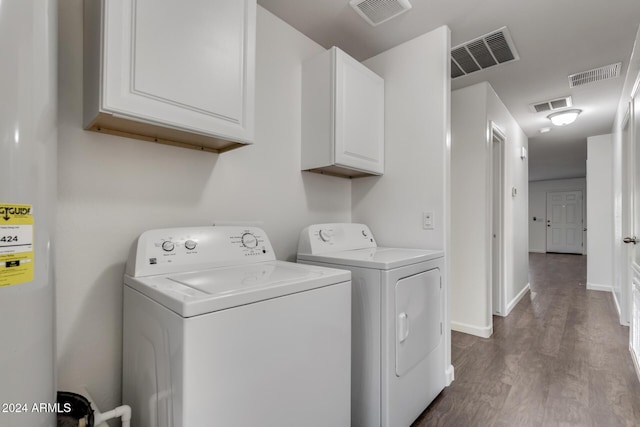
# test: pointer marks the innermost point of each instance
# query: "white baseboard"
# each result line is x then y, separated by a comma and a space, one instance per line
450, 375
615, 300
636, 362
517, 299
597, 287
479, 331
618, 309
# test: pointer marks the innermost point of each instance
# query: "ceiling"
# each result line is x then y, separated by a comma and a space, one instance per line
554, 38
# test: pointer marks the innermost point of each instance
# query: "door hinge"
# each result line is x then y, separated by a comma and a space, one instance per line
441, 283
440, 328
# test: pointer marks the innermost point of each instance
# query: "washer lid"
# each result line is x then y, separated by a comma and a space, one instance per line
377, 258
199, 292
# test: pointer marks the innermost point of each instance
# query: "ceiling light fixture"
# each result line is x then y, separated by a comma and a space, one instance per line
564, 118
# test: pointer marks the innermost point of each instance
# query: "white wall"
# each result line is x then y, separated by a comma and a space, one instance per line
600, 212
417, 99
416, 127
538, 209
516, 207
111, 189
473, 108
470, 212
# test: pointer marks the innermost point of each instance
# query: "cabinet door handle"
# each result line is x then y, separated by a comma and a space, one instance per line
630, 240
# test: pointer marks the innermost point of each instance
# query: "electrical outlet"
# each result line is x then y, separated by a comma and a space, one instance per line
428, 220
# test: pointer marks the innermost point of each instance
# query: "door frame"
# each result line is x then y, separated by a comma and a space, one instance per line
629, 273
630, 251
620, 270
497, 245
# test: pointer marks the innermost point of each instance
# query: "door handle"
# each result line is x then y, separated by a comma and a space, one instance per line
403, 327
630, 240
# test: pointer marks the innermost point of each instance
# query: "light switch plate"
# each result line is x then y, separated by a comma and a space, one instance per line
428, 222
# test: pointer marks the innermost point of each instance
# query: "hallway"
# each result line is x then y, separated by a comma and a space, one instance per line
559, 358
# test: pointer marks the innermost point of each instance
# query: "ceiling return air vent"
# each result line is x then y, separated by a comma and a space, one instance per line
375, 12
551, 105
597, 74
483, 52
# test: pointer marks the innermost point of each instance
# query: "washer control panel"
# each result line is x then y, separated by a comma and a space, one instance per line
322, 238
173, 250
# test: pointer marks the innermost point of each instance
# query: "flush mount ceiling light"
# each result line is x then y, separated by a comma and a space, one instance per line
563, 118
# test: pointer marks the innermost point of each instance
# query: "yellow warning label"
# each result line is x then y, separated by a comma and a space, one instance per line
16, 244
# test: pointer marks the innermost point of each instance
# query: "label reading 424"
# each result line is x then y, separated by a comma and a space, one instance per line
16, 246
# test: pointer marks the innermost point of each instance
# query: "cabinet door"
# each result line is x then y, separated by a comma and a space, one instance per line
188, 64
359, 116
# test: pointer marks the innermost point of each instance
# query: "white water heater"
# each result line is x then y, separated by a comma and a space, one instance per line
28, 136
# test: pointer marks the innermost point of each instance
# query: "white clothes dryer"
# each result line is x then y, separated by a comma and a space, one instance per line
398, 345
217, 332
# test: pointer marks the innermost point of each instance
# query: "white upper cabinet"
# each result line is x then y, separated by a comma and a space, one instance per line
180, 72
342, 116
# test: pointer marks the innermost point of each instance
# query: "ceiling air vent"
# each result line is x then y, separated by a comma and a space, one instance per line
595, 75
483, 52
375, 12
554, 104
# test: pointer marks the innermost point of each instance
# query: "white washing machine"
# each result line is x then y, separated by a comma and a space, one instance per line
398, 346
217, 332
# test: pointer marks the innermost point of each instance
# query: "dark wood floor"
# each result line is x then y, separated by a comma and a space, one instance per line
559, 359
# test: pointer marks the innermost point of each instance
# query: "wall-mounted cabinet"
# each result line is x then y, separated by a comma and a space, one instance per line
180, 72
342, 116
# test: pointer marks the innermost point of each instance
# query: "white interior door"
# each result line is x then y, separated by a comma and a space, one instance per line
564, 222
497, 244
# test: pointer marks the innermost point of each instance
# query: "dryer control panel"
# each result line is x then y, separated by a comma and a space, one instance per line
323, 238
173, 250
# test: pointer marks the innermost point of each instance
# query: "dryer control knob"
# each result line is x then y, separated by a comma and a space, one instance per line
168, 246
190, 245
249, 240
325, 235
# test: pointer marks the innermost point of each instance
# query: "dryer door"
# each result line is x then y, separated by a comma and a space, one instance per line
418, 318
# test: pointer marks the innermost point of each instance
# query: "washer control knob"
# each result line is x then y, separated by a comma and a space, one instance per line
364, 233
325, 235
190, 244
249, 240
168, 245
